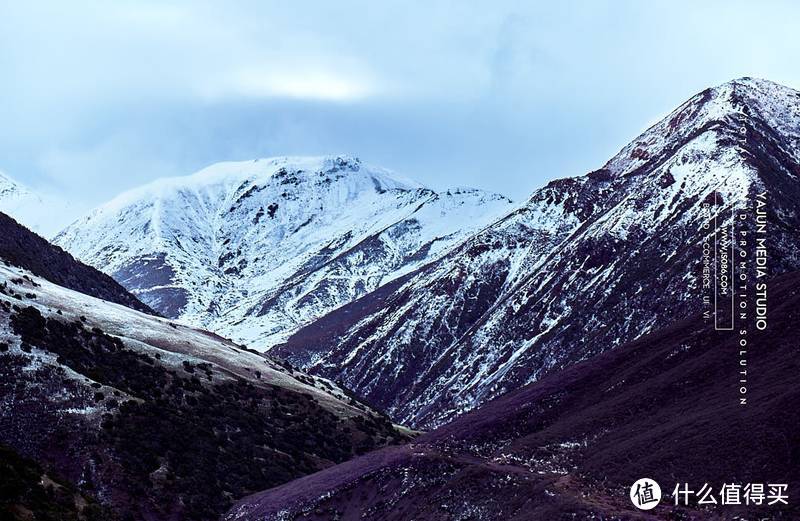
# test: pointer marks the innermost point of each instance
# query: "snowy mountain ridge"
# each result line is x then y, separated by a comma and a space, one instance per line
253, 250
586, 264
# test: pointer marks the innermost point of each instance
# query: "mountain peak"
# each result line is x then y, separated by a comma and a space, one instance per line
266, 170
726, 108
755, 93
750, 81
275, 242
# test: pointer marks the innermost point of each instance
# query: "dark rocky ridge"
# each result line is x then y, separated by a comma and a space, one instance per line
23, 248
569, 446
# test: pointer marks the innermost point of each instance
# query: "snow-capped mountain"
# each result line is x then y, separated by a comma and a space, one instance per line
585, 264
43, 214
254, 250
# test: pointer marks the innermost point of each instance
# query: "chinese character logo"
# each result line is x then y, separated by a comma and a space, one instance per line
645, 494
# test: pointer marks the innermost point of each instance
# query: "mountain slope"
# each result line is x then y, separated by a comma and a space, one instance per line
22, 248
155, 420
569, 446
255, 250
131, 416
584, 265
28, 492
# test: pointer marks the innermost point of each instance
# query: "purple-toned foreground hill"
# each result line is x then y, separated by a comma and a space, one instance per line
586, 264
570, 446
108, 413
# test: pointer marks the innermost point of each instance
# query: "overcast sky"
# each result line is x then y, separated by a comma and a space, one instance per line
98, 97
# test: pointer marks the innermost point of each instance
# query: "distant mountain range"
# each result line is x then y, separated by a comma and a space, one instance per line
255, 250
430, 303
555, 349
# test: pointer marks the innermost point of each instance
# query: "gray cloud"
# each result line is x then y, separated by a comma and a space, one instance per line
101, 96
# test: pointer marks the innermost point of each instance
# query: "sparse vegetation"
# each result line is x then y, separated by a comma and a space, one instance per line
28, 492
187, 446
